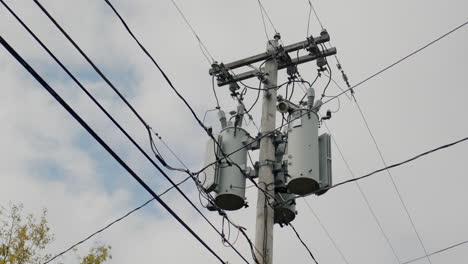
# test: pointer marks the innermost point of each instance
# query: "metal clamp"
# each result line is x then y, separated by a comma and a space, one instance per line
262, 163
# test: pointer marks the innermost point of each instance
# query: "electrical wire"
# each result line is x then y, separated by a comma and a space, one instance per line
311, 7
292, 91
338, 86
405, 57
256, 99
59, 99
214, 92
328, 83
353, 87
398, 164
149, 56
111, 223
209, 132
153, 147
364, 196
263, 10
310, 85
413, 225
200, 42
303, 243
326, 231
438, 251
206, 112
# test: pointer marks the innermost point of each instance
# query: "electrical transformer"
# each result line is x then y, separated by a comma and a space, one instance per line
285, 205
225, 178
302, 153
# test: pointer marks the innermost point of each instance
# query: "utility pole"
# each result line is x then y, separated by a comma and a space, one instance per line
264, 221
276, 58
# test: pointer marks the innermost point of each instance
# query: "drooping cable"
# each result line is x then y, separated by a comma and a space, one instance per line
398, 164
303, 243
120, 127
149, 56
112, 223
400, 197
354, 86
364, 196
70, 110
208, 131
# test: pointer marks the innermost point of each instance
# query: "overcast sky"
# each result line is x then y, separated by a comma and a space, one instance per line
48, 160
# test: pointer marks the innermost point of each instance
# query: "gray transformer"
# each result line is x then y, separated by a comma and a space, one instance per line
302, 153
285, 204
230, 185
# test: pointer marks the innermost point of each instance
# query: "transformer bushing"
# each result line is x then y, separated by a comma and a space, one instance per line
231, 181
302, 153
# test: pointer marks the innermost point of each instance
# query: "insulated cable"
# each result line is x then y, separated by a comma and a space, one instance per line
59, 99
111, 224
354, 86
118, 125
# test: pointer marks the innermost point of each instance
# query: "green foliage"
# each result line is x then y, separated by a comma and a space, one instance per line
23, 240
97, 255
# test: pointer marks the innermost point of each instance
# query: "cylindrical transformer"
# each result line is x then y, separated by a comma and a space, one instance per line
302, 153
285, 211
285, 205
231, 186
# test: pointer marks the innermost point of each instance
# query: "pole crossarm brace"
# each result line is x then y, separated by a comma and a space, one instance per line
224, 77
295, 61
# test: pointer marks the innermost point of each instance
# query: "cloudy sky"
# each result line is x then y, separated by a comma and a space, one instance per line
48, 160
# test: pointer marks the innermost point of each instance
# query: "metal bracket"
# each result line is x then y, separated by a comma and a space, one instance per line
262, 163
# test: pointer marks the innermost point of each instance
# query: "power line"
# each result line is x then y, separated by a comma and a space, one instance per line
383, 169
59, 99
112, 223
326, 232
263, 10
312, 8
399, 163
200, 42
303, 243
122, 130
209, 132
404, 58
438, 251
347, 90
366, 200
391, 178
149, 56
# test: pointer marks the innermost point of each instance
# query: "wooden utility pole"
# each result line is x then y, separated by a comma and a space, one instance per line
276, 58
264, 222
